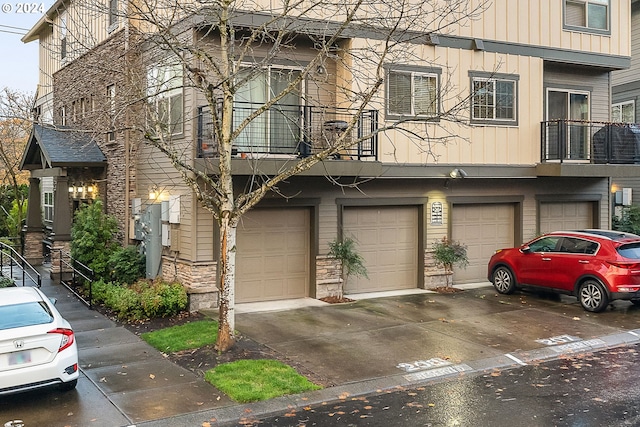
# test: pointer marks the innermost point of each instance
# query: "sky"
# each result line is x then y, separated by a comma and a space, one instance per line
19, 67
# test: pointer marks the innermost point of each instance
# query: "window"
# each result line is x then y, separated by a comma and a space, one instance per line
493, 99
164, 89
47, 206
278, 130
624, 112
63, 35
591, 14
111, 104
412, 93
63, 116
113, 13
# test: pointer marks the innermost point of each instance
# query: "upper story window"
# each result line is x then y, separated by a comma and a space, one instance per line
592, 15
412, 92
63, 35
624, 112
111, 101
494, 98
113, 13
165, 94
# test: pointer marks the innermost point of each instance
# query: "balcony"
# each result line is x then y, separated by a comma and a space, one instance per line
570, 141
286, 131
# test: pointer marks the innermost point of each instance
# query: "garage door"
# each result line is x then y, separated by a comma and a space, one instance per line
387, 239
483, 229
272, 261
565, 216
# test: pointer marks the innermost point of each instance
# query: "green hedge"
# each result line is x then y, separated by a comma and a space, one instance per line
142, 300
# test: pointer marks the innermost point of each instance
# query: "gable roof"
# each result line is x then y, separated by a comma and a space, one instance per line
50, 147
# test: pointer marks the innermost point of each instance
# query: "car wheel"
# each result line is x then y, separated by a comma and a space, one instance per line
503, 280
593, 297
68, 386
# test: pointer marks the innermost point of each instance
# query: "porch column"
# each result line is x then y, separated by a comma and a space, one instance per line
32, 231
61, 235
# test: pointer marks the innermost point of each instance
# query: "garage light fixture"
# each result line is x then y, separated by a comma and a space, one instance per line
457, 173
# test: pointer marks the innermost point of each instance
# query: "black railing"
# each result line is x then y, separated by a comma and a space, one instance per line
73, 272
593, 142
10, 259
294, 130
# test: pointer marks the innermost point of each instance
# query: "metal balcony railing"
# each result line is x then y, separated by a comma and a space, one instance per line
592, 142
293, 130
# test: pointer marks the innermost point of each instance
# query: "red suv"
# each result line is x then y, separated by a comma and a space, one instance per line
596, 266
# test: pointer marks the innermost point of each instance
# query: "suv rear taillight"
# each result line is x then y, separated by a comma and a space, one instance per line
67, 337
631, 265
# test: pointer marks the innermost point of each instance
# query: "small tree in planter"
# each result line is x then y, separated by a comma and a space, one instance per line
447, 254
351, 263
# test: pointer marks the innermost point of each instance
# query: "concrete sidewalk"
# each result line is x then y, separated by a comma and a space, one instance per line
362, 347
135, 377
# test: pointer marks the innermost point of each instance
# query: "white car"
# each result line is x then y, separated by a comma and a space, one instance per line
37, 345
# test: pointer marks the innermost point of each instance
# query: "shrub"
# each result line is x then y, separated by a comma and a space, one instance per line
93, 238
6, 282
127, 265
628, 221
141, 300
447, 253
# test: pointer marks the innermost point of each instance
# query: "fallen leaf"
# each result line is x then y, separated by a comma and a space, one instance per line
576, 318
206, 424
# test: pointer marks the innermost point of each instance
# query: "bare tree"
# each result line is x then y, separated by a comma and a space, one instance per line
339, 49
226, 52
15, 125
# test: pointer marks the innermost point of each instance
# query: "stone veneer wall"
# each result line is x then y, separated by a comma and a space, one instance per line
198, 278
55, 272
434, 276
86, 78
328, 280
33, 247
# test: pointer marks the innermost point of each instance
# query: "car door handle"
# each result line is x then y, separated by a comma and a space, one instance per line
546, 259
583, 261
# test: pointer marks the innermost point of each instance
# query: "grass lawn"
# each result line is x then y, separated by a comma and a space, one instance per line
253, 380
246, 380
183, 337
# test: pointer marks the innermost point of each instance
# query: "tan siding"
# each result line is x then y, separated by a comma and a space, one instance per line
631, 74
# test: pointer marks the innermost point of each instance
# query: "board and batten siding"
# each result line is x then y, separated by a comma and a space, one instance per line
631, 74
583, 79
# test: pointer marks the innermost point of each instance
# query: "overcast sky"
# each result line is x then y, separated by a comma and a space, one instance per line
19, 65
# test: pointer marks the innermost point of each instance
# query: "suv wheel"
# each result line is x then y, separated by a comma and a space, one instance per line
593, 297
503, 280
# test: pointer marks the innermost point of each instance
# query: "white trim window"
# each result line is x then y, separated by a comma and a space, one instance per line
63, 35
165, 96
47, 207
412, 94
591, 14
624, 112
493, 100
113, 14
111, 101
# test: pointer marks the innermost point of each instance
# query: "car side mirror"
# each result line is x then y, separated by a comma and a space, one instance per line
53, 300
525, 249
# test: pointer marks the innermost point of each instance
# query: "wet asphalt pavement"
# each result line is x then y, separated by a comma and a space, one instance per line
359, 348
598, 389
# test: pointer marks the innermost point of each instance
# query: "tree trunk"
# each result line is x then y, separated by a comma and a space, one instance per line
227, 268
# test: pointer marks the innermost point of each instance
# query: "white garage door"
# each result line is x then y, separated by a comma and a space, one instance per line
387, 239
565, 216
483, 229
272, 261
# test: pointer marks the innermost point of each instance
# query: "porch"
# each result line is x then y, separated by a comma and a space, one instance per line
573, 141
293, 130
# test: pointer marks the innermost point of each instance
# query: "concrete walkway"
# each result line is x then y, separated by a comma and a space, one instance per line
370, 345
